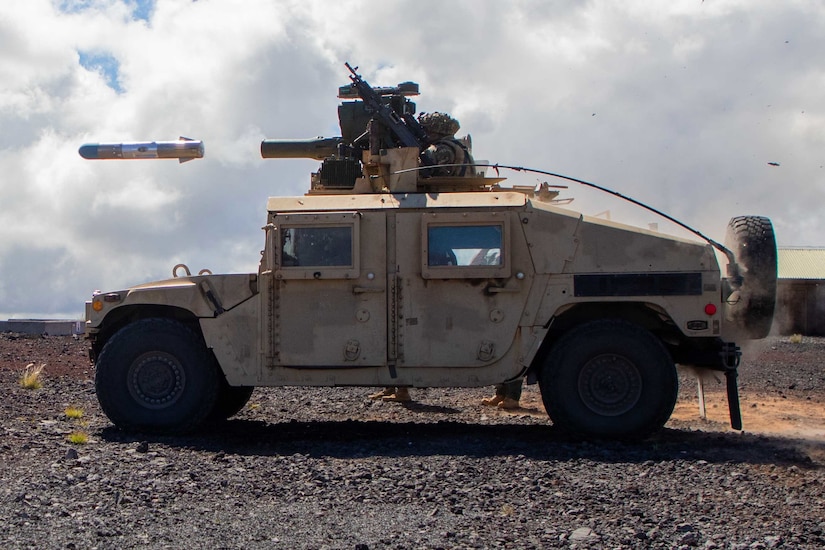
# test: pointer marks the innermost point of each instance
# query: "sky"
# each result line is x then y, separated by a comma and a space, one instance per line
704, 109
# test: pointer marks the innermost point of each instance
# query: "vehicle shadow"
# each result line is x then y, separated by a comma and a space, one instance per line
416, 406
359, 438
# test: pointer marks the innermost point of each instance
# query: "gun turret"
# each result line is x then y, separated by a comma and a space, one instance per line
372, 120
381, 146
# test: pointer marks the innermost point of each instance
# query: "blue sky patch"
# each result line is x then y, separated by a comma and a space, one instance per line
141, 9
73, 6
106, 65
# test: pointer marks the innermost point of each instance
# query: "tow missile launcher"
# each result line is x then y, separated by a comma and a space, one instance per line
343, 156
379, 148
405, 266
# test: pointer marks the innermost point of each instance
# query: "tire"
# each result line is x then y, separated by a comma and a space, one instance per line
609, 379
751, 308
156, 375
230, 401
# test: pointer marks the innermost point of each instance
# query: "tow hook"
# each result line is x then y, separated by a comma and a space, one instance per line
731, 355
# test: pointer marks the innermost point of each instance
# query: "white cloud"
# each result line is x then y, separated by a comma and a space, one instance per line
681, 104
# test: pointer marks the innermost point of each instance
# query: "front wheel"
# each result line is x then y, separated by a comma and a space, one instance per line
609, 379
156, 375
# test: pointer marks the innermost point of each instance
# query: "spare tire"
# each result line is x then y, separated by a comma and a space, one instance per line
750, 307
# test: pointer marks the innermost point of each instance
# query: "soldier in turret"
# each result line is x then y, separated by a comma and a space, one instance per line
448, 155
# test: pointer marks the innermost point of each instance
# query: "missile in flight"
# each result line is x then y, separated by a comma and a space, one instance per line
184, 150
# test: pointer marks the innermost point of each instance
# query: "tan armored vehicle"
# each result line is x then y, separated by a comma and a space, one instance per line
405, 266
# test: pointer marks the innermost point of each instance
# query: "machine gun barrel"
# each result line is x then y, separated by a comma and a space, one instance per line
184, 150
318, 148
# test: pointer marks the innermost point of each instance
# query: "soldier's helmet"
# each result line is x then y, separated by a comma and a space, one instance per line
438, 124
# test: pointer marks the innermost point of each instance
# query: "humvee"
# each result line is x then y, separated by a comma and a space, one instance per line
394, 270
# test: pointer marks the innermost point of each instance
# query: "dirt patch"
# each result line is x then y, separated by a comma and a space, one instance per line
761, 414
62, 355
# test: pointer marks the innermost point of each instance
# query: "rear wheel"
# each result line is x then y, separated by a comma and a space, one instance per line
156, 375
609, 379
751, 307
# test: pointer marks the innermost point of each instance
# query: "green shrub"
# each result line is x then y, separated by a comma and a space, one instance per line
78, 438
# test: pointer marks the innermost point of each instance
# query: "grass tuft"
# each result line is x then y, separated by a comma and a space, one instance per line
795, 339
78, 438
74, 412
31, 378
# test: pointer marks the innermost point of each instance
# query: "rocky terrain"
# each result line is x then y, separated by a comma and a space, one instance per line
329, 468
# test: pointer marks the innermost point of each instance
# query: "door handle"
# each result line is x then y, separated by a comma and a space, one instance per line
366, 289
499, 289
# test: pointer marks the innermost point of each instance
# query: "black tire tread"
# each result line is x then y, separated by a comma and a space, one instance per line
586, 336
110, 385
753, 242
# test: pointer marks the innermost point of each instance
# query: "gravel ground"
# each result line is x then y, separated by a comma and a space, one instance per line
329, 468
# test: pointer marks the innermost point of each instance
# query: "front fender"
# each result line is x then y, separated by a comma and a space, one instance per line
202, 296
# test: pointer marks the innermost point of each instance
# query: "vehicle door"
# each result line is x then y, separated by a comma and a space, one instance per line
462, 290
329, 290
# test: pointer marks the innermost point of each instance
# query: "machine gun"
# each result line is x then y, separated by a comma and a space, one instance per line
403, 125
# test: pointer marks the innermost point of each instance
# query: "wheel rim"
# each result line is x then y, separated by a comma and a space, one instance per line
610, 385
156, 380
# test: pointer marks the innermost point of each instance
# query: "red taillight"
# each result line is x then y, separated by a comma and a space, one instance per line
710, 309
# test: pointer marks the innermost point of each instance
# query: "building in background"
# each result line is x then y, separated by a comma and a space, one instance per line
800, 291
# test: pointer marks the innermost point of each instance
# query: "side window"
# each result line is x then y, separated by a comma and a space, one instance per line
464, 246
317, 246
